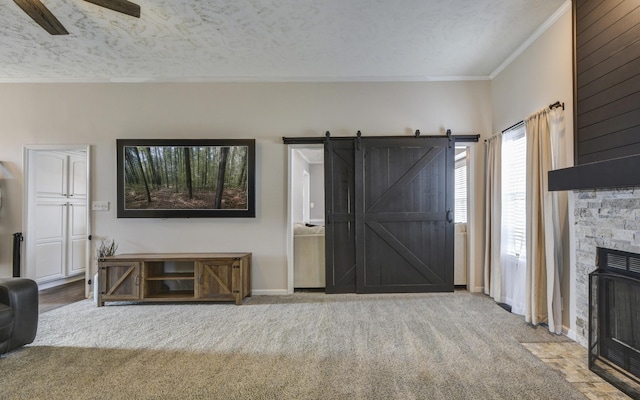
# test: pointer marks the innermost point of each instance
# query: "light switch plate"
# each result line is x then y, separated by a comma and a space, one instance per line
100, 206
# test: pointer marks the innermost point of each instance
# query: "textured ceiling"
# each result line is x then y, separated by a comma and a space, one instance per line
312, 155
270, 40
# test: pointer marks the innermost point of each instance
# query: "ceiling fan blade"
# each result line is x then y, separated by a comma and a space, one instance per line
41, 14
122, 6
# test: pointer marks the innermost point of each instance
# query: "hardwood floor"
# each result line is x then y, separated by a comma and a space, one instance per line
59, 296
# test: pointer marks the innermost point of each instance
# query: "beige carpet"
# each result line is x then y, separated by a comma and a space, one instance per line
304, 346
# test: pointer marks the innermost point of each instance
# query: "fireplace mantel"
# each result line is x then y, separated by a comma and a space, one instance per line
617, 173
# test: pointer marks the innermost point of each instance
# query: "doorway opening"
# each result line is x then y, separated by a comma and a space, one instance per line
306, 269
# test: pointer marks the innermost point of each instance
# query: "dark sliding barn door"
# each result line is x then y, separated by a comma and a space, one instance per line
391, 228
404, 240
340, 228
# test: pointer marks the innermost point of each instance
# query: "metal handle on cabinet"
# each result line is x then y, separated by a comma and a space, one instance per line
449, 219
137, 280
200, 279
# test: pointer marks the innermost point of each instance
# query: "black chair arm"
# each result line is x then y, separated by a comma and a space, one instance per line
22, 296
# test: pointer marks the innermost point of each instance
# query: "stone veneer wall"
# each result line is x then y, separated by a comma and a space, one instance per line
603, 218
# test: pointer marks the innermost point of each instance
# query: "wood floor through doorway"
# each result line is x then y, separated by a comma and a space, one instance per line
55, 297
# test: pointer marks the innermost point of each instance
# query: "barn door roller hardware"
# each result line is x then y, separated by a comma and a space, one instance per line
326, 139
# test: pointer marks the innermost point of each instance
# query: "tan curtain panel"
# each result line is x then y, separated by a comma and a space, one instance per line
542, 296
492, 223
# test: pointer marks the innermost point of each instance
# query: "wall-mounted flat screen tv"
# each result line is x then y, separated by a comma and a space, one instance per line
185, 178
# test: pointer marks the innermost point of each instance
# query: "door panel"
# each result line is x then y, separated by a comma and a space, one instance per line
78, 177
77, 256
78, 223
340, 217
51, 179
49, 221
77, 238
405, 243
49, 254
49, 261
215, 279
120, 281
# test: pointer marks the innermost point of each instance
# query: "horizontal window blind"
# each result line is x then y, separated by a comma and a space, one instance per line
460, 215
514, 182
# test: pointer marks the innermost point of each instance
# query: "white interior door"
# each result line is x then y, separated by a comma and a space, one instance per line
77, 229
56, 217
49, 181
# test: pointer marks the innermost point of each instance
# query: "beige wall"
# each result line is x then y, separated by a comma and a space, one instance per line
97, 114
538, 77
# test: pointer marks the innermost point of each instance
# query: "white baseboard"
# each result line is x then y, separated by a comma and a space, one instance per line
570, 333
476, 289
268, 292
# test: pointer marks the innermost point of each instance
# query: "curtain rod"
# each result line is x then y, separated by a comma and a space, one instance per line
509, 128
556, 104
513, 126
551, 107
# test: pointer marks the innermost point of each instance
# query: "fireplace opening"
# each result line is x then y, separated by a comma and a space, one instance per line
614, 319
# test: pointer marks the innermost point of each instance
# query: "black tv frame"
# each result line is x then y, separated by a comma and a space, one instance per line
248, 212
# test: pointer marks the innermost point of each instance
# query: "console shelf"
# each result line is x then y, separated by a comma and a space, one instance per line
174, 277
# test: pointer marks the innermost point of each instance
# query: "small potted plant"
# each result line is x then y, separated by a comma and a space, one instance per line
103, 249
106, 249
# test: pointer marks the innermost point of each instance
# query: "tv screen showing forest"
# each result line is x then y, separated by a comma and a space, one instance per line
186, 178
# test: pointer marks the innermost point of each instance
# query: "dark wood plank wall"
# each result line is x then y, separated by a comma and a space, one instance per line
607, 57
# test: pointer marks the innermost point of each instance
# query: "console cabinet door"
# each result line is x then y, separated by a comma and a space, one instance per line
119, 281
216, 279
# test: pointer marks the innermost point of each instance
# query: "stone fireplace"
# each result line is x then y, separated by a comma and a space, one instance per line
605, 219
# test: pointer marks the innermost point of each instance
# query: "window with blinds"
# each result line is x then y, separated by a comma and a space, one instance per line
514, 182
460, 196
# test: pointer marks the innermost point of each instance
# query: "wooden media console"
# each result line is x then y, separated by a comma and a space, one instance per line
174, 277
